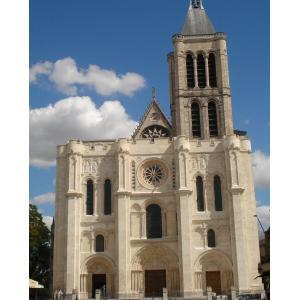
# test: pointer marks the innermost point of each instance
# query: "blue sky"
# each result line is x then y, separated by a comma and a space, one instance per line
135, 36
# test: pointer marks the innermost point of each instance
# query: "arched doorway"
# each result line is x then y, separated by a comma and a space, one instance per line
213, 269
97, 273
154, 268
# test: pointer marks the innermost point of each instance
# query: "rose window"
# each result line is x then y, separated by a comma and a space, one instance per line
153, 173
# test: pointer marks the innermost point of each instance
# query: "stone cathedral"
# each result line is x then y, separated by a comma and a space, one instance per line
173, 206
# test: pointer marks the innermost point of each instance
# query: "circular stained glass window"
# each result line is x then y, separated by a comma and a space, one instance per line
153, 173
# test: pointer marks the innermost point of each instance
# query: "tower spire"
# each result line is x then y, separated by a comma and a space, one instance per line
197, 4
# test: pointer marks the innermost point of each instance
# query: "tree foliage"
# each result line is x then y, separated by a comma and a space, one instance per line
39, 247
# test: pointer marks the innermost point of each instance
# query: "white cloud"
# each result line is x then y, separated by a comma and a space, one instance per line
48, 221
74, 118
261, 169
263, 213
66, 76
47, 198
44, 68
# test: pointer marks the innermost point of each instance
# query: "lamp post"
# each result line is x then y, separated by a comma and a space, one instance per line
259, 223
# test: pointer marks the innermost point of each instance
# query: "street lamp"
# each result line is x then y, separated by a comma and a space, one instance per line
259, 223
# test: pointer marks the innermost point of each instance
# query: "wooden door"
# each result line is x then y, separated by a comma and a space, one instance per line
99, 280
155, 281
213, 279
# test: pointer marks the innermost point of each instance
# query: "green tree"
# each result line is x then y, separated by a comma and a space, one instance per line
39, 247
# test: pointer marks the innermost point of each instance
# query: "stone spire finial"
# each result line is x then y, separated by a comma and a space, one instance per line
197, 4
153, 94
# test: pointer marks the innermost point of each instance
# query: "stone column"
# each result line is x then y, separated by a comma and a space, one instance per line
206, 71
205, 122
195, 71
144, 229
72, 242
122, 242
184, 241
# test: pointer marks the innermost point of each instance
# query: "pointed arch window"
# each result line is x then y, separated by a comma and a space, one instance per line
201, 71
196, 127
211, 239
218, 193
212, 70
190, 72
107, 197
99, 245
154, 221
200, 193
90, 197
213, 119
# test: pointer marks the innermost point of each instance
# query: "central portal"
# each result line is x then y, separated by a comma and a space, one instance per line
99, 280
155, 282
213, 279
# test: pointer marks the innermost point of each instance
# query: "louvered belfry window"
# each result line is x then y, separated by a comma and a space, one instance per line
90, 197
212, 70
154, 223
190, 72
107, 197
200, 193
211, 239
196, 127
213, 119
218, 193
201, 71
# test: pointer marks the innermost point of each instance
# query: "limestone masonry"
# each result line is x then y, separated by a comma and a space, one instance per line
172, 207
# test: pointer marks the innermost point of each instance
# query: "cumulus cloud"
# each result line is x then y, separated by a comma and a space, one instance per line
48, 221
47, 198
263, 213
66, 77
261, 169
74, 118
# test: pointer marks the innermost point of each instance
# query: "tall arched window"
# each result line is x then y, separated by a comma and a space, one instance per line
154, 222
212, 70
213, 119
107, 197
196, 127
90, 197
99, 245
211, 238
218, 193
201, 71
200, 194
190, 72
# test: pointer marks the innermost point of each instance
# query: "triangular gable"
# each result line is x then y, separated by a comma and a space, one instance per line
154, 115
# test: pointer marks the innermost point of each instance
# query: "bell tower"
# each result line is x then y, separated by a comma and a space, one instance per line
199, 81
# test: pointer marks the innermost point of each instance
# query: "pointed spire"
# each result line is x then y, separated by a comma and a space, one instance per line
154, 94
197, 21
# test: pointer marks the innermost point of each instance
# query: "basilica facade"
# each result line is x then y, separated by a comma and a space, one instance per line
171, 207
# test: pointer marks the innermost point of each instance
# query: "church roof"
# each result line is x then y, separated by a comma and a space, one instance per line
197, 21
160, 118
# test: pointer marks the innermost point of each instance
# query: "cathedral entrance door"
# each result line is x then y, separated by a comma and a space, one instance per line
213, 279
155, 281
99, 280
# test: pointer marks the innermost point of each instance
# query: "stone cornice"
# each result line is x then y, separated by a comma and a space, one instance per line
73, 194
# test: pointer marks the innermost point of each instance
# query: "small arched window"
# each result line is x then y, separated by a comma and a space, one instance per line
201, 71
211, 239
154, 222
190, 72
200, 194
99, 245
212, 70
90, 197
107, 197
196, 127
218, 193
213, 119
